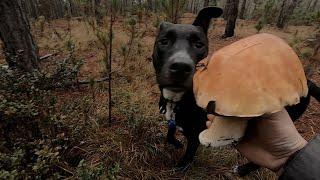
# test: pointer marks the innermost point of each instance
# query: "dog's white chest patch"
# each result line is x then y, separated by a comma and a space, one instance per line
169, 111
173, 97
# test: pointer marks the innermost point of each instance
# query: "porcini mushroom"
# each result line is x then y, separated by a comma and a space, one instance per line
254, 76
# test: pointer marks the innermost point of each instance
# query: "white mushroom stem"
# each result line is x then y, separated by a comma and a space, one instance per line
223, 131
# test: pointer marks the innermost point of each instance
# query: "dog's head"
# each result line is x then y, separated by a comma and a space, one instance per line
179, 47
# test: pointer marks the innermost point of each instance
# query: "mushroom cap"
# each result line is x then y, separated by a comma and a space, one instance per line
256, 75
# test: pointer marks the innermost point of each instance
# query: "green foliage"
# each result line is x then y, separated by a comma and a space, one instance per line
34, 140
157, 22
10, 161
259, 26
116, 6
306, 53
170, 10
134, 34
131, 22
86, 172
104, 40
26, 108
167, 7
41, 20
269, 12
305, 18
131, 28
123, 51
113, 171
258, 10
70, 45
84, 1
47, 157
297, 43
10, 175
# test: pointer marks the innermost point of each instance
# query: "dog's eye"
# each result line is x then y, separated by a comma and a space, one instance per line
198, 45
163, 42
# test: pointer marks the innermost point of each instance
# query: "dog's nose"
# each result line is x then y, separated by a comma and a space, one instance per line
180, 68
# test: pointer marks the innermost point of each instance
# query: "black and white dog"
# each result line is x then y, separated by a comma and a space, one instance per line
177, 50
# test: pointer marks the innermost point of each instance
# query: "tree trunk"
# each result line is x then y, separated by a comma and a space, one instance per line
172, 10
206, 3
93, 8
19, 47
176, 11
255, 4
309, 5
214, 3
73, 8
242, 10
191, 6
314, 5
195, 6
226, 9
150, 6
281, 17
58, 9
30, 6
285, 12
98, 14
232, 14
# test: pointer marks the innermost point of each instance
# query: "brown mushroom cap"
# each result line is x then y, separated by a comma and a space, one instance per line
253, 76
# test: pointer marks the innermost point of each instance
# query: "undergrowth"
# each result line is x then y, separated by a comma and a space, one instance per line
34, 143
52, 127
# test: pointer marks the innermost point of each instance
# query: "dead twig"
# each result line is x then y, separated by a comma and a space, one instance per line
81, 82
93, 81
48, 55
110, 64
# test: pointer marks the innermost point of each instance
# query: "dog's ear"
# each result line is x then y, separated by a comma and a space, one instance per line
164, 25
205, 15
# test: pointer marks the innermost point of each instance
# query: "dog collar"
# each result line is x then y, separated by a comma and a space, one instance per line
163, 106
164, 103
169, 109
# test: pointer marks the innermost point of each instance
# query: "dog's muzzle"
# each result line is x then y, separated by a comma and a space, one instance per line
177, 71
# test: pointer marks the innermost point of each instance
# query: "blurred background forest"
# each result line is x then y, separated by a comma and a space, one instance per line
62, 60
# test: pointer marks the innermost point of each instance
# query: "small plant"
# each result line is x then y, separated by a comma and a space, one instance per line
140, 14
26, 111
173, 9
104, 40
123, 52
34, 138
70, 45
306, 53
269, 11
305, 18
86, 172
131, 28
259, 26
139, 48
157, 22
113, 171
41, 21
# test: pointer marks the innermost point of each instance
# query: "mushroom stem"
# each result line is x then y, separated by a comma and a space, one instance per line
223, 131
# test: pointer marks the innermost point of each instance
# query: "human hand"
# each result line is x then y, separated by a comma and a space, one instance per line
270, 140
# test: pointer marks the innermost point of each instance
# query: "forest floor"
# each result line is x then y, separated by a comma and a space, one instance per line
134, 146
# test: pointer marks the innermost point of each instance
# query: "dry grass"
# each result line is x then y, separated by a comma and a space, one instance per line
136, 140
